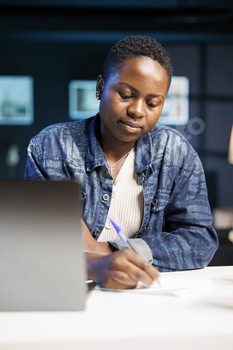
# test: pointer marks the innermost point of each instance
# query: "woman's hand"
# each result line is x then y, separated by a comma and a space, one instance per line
120, 270
91, 244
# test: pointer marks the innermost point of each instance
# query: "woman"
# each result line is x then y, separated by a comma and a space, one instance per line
147, 177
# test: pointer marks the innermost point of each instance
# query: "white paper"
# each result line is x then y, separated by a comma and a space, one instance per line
171, 286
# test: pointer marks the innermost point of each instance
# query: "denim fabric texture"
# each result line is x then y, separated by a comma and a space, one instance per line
176, 233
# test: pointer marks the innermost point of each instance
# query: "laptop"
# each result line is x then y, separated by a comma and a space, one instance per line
42, 263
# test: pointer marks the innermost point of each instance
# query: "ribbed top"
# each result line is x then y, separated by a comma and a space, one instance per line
127, 202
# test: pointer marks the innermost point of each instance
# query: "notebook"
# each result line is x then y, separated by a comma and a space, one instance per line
42, 265
171, 286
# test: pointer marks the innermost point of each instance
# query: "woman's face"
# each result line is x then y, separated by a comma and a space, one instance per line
132, 100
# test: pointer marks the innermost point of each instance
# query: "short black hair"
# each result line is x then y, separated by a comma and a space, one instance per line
136, 46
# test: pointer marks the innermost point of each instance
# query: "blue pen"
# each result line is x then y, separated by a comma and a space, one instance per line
125, 240
122, 235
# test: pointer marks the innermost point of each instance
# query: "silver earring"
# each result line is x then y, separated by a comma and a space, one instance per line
98, 95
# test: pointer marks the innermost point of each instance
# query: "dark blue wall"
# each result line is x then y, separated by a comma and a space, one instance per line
56, 46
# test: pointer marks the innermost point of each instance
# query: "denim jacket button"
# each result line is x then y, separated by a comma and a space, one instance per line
105, 197
96, 232
154, 202
108, 225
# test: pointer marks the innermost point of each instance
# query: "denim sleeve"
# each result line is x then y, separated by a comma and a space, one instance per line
40, 166
140, 246
188, 240
33, 171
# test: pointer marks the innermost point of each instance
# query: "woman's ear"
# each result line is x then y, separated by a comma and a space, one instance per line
99, 86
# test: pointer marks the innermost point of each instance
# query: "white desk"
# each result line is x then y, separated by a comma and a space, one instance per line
113, 321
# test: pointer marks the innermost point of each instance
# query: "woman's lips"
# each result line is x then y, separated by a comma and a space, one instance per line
131, 126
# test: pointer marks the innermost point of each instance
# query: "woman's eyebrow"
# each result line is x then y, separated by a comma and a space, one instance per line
135, 90
128, 85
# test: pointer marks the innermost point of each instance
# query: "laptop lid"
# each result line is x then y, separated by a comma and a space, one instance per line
42, 263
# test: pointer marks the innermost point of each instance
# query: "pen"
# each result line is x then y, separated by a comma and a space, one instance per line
125, 239
121, 234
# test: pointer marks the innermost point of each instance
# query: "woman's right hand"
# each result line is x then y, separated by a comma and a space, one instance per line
120, 270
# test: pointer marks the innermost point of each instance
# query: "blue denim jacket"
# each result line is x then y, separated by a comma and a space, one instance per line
177, 232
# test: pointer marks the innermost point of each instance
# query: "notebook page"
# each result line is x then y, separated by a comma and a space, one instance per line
171, 286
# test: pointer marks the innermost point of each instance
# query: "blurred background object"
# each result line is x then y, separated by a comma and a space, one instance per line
230, 152
223, 218
12, 160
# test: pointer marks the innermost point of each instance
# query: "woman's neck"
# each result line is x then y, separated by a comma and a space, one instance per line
115, 152
113, 149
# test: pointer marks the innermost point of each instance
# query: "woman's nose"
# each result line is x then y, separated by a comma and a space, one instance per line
136, 109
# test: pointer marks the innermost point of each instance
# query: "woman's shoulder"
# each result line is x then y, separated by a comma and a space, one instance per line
67, 128
172, 145
59, 140
172, 137
74, 129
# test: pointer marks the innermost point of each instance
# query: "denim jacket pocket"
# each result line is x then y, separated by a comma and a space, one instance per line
160, 201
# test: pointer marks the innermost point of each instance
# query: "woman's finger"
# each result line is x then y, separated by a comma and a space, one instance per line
120, 280
136, 267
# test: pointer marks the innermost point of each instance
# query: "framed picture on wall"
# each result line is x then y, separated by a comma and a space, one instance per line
83, 103
16, 100
176, 107
82, 100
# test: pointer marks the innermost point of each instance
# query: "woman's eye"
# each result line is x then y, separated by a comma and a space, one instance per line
151, 105
125, 97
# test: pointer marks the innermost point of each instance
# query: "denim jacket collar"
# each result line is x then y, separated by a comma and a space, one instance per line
95, 156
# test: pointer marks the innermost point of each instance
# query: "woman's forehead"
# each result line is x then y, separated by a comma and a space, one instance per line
141, 68
145, 65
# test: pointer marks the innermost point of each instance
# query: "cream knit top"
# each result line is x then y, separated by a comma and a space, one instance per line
127, 203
